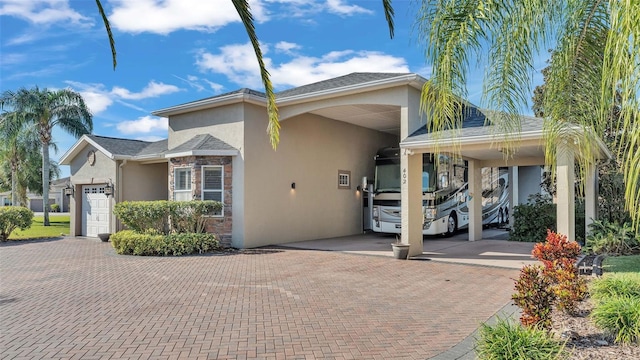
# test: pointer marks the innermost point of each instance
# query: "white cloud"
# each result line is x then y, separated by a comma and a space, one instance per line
145, 124
43, 12
95, 96
166, 16
99, 98
153, 89
339, 7
150, 138
238, 63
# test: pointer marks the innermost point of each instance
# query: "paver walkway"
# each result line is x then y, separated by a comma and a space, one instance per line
75, 298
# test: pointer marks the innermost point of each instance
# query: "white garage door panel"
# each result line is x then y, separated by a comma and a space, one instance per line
95, 210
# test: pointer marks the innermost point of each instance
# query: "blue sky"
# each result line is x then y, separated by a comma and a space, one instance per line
175, 51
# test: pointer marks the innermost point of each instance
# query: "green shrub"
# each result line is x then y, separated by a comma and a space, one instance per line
55, 207
620, 317
166, 216
190, 216
129, 242
509, 341
14, 217
532, 220
611, 285
611, 238
143, 215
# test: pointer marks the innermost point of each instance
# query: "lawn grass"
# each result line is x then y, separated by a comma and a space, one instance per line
621, 264
59, 224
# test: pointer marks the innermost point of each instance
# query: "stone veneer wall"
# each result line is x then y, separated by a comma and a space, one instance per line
220, 226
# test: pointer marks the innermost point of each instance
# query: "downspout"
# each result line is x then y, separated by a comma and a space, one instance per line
120, 170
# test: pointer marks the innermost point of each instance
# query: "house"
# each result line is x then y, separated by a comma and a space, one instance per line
35, 203
217, 148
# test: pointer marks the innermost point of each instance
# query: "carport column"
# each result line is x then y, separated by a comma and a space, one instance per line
475, 203
411, 200
513, 192
565, 190
590, 196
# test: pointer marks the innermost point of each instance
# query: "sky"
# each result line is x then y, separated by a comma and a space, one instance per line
174, 51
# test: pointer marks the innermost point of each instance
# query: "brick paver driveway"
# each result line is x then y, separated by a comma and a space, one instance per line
75, 298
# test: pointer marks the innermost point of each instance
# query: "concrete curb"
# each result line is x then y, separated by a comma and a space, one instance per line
465, 350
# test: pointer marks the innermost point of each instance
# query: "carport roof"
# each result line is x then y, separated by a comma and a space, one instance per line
479, 138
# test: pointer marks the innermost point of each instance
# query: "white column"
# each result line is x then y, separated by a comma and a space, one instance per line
590, 196
514, 199
475, 204
565, 192
411, 200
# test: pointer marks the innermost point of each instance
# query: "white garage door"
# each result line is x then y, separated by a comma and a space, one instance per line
95, 210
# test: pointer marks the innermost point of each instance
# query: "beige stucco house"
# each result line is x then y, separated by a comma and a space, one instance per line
217, 148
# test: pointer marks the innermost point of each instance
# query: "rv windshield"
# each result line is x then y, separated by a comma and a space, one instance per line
428, 176
387, 178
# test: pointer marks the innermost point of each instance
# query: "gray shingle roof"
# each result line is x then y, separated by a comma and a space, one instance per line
128, 147
342, 81
476, 123
202, 142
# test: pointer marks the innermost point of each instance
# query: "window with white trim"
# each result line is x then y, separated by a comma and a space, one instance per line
344, 179
213, 185
182, 184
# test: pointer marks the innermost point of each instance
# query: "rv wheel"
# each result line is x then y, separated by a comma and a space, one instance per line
452, 224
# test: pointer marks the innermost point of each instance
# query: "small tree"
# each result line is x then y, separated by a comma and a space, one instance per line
14, 217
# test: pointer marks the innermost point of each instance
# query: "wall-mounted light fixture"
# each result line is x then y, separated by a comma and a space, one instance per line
359, 188
108, 189
293, 186
68, 190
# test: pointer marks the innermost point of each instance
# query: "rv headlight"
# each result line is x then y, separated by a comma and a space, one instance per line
429, 213
375, 212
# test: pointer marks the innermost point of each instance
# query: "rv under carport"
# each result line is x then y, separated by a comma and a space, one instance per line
481, 145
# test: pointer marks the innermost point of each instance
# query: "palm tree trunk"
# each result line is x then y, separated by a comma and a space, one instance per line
14, 183
45, 181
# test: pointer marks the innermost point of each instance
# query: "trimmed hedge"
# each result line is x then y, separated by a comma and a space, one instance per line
129, 242
14, 217
166, 216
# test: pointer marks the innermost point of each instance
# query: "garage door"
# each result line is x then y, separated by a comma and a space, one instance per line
95, 210
36, 204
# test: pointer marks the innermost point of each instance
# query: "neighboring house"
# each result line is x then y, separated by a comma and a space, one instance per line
217, 148
35, 203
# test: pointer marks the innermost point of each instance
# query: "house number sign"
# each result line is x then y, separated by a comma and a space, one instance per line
404, 176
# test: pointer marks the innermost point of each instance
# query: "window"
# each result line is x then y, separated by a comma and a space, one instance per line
213, 184
182, 184
344, 179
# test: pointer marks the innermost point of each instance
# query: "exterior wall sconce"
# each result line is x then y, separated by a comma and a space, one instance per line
293, 186
108, 189
68, 190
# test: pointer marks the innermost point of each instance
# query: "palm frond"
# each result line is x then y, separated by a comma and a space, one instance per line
107, 27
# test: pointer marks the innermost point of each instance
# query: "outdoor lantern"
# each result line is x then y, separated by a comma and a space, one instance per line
68, 190
108, 189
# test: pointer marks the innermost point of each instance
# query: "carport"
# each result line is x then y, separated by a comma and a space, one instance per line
479, 142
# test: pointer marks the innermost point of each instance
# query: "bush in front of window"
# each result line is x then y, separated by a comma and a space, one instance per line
129, 242
166, 217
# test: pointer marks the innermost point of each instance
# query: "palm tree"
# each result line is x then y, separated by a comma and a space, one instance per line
44, 110
586, 85
243, 9
18, 153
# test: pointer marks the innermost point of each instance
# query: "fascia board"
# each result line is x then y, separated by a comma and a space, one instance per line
210, 103
412, 79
